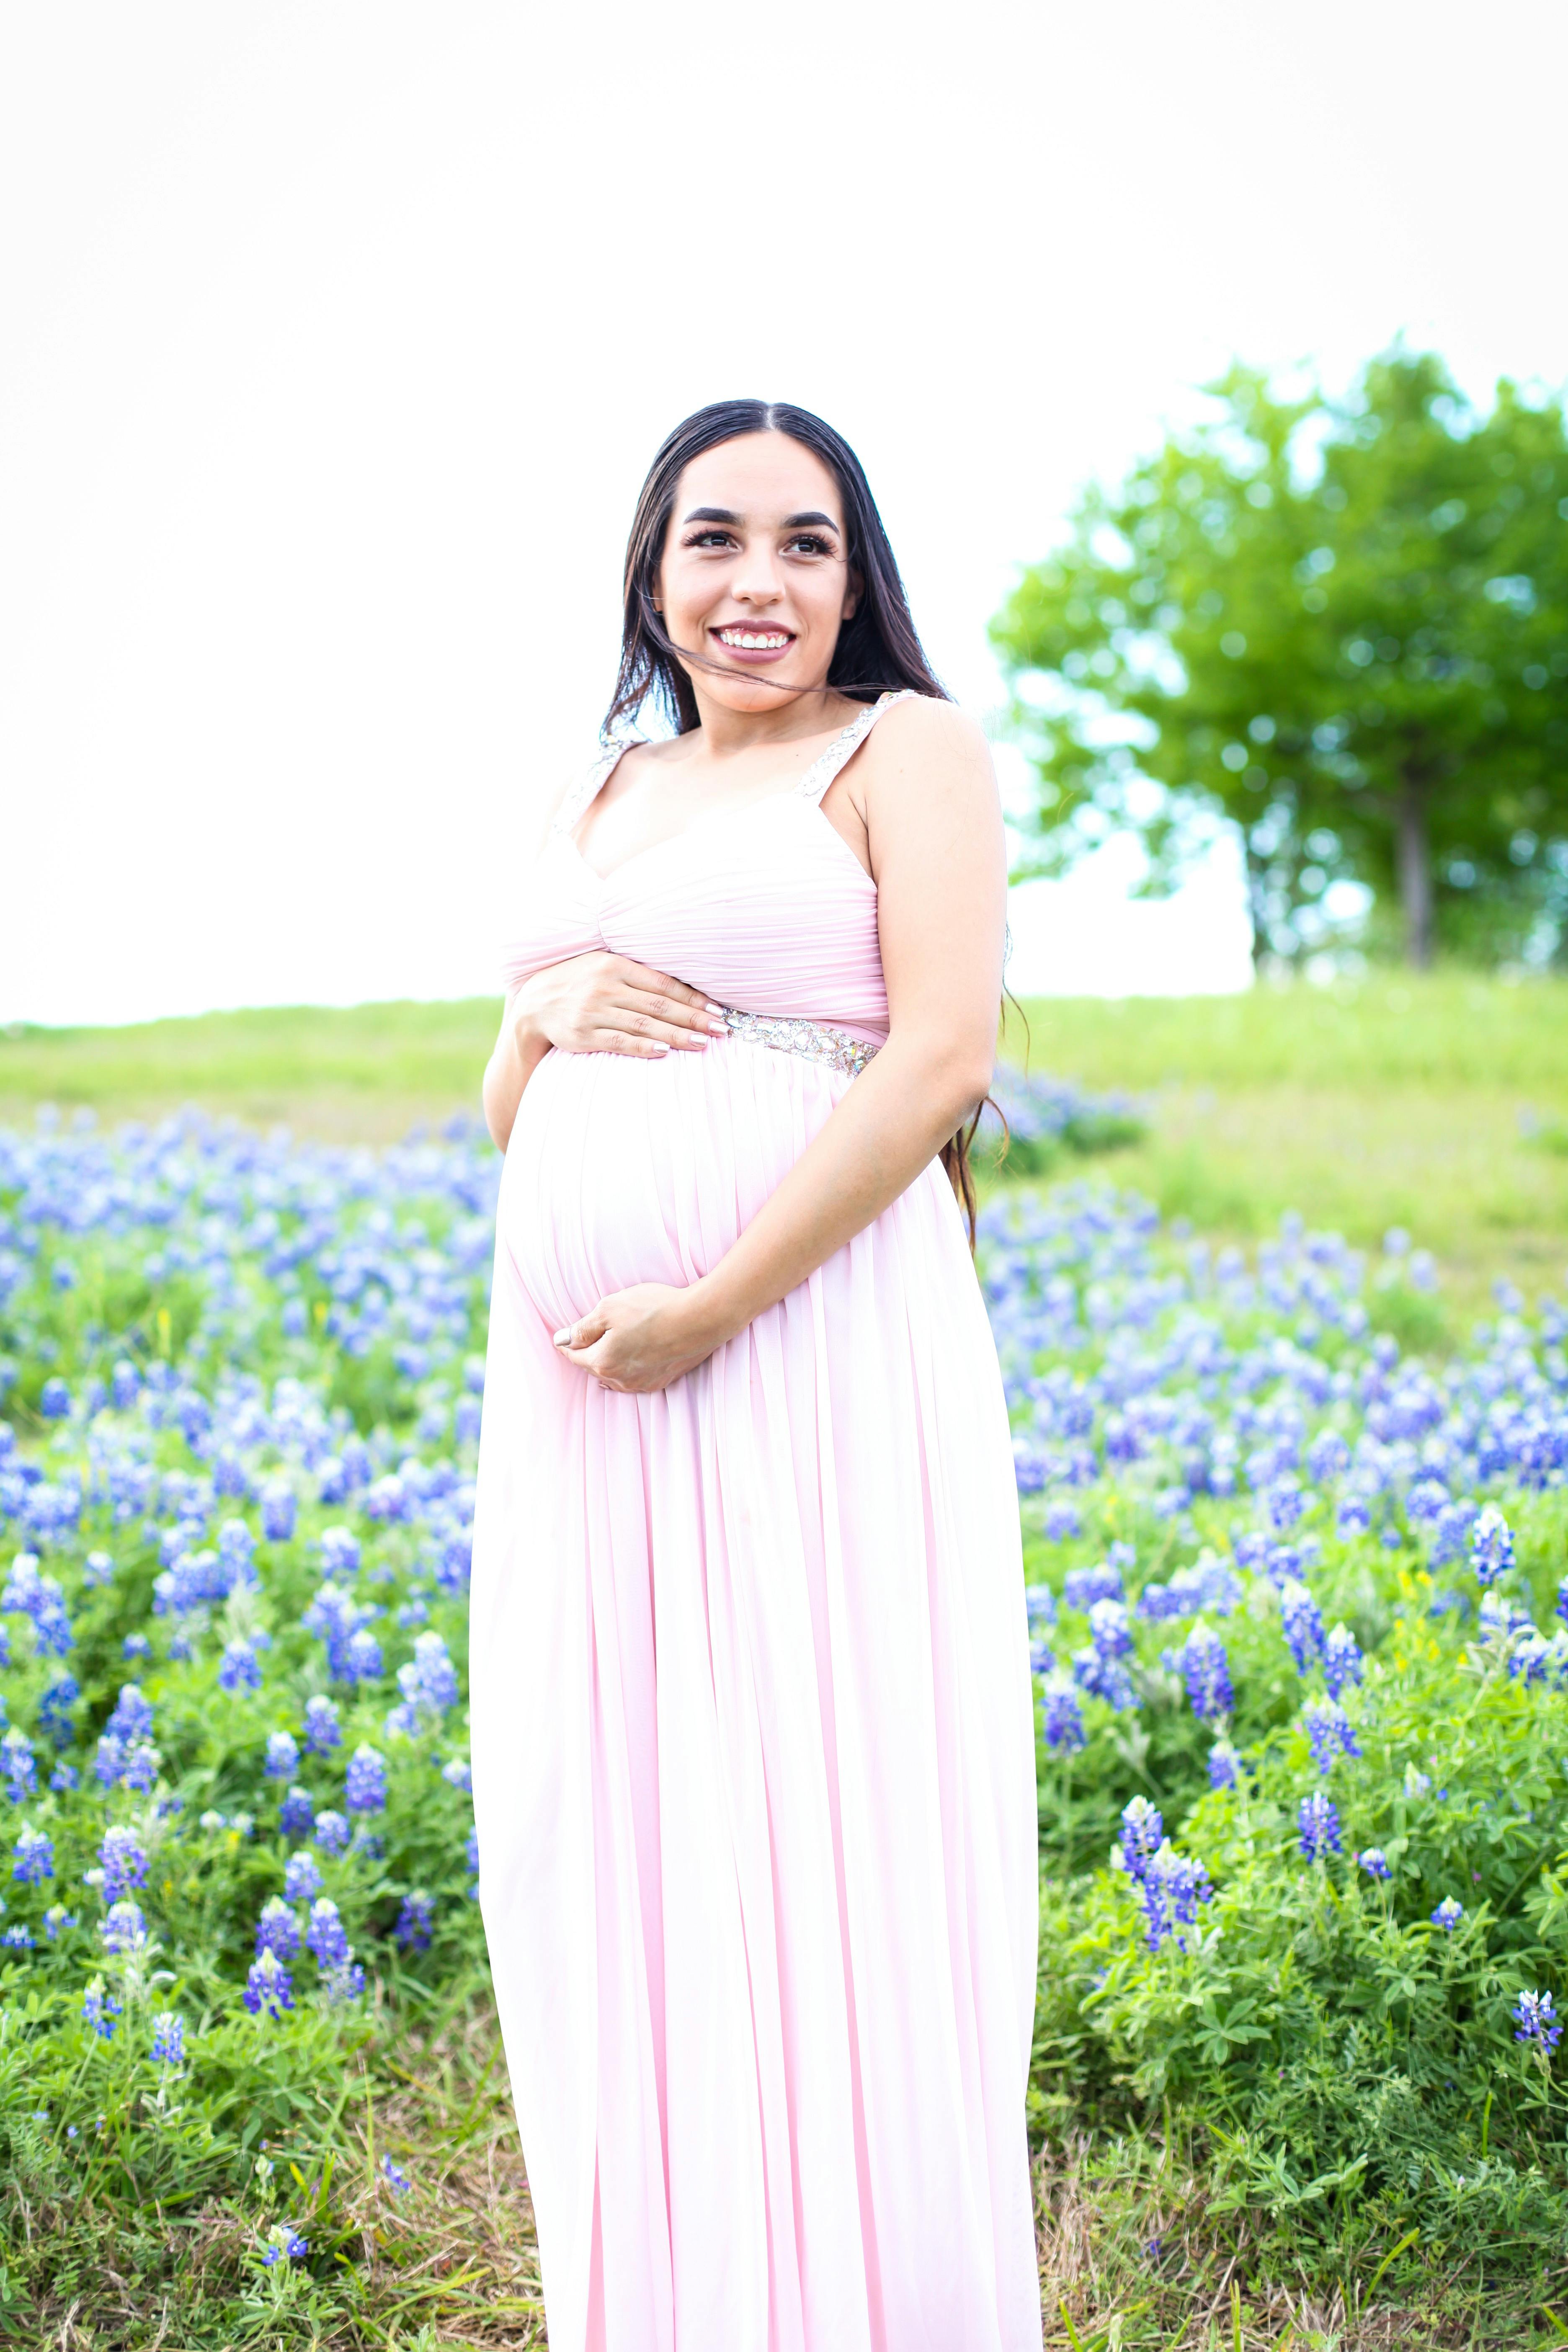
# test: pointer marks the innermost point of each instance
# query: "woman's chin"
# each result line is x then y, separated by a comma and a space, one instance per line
759, 690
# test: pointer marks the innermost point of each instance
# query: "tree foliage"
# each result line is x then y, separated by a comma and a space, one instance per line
1342, 627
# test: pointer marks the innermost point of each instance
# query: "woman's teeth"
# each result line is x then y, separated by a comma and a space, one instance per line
755, 641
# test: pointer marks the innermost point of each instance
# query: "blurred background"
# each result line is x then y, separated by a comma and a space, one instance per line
337, 342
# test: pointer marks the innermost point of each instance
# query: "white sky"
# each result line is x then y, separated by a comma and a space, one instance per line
335, 340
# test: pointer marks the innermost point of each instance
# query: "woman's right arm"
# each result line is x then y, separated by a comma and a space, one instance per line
594, 1004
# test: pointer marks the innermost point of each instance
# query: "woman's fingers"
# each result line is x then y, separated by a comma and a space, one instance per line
673, 1001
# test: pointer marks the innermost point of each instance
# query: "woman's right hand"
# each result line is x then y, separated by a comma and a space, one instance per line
604, 1004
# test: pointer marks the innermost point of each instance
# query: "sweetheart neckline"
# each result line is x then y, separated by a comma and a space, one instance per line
717, 816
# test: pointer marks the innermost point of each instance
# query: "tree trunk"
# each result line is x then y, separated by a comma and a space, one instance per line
1255, 908
1414, 861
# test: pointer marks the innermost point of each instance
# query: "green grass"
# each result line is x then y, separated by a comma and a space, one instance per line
1395, 1102
1439, 1103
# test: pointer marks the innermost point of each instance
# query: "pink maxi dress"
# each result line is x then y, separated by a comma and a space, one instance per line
751, 1718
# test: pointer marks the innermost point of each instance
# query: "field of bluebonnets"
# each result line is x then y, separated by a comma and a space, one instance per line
1297, 1602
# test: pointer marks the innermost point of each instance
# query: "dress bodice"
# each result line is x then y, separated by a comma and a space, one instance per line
763, 906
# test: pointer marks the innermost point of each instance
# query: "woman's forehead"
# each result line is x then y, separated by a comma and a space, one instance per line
759, 477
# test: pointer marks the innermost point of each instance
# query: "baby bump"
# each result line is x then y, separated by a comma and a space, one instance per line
622, 1170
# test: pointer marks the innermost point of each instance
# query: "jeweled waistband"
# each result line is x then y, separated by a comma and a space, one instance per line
787, 1034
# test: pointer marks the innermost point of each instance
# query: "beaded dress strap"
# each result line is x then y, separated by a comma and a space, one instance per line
823, 769
575, 805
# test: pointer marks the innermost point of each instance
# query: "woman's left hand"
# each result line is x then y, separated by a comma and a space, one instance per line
639, 1339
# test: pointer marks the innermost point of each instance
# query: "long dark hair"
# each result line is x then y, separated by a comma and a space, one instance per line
878, 649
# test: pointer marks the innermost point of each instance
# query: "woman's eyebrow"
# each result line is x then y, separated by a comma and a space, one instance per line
790, 522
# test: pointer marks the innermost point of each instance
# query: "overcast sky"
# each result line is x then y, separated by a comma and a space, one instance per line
337, 337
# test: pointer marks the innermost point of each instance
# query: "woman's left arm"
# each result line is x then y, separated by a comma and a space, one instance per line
934, 826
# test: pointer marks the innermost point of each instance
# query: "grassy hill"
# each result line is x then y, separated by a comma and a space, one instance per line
1439, 1104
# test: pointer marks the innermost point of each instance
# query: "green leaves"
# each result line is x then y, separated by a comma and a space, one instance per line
1341, 628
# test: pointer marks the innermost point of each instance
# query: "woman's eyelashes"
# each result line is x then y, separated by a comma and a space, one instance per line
724, 542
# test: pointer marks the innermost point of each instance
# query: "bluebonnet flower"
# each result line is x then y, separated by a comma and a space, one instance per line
54, 1399
1108, 1631
1104, 1677
458, 1774
1318, 1823
1042, 1662
322, 1730
365, 1789
136, 1645
19, 1938
283, 2244
124, 1928
415, 1923
1062, 1521
239, 1668
325, 1935
1206, 1669
1330, 1732
1285, 1504
124, 1385
1040, 1603
428, 1684
297, 1815
237, 1557
1535, 2020
34, 1857
39, 1598
337, 1618
396, 2181
64, 1779
277, 1930
168, 2039
302, 1876
20, 1766
99, 2009
1224, 1766
1353, 1516
279, 1511
1063, 1716
1303, 1626
1172, 1886
56, 1919
97, 1568
361, 1658
340, 1551
55, 1709
1374, 1861
1491, 1545
1328, 1456
282, 1756
472, 1852
1084, 1586
1342, 1660
1143, 1831
124, 1863
269, 1987
331, 1831
1447, 1915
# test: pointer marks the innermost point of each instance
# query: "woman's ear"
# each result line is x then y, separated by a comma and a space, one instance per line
852, 597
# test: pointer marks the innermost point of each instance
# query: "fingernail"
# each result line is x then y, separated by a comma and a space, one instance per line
709, 1006
718, 1027
561, 1337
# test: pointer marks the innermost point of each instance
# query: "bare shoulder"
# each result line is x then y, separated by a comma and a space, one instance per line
933, 743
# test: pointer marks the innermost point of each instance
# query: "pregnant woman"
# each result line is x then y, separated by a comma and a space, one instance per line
753, 1729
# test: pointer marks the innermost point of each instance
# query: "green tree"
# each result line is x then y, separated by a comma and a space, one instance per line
1339, 626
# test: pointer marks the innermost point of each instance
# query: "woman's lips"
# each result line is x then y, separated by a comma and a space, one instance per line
753, 646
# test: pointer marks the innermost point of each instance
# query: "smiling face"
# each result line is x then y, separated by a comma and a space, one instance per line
753, 575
